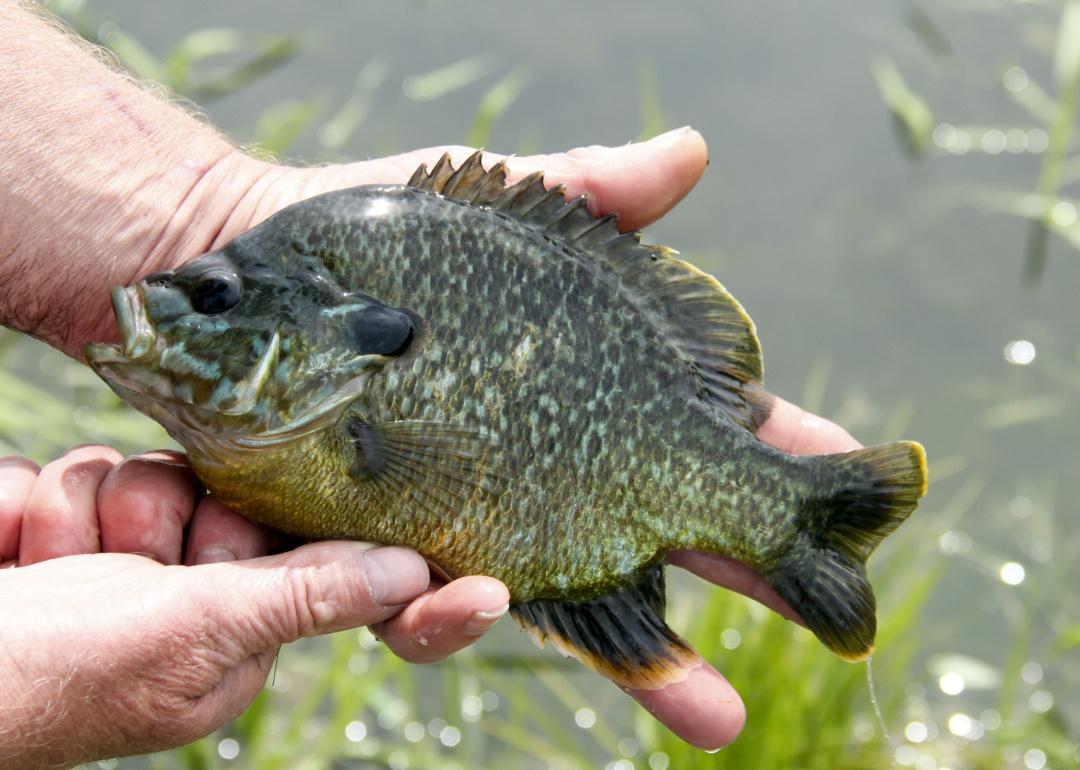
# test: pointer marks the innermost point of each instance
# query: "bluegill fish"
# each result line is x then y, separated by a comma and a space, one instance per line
510, 386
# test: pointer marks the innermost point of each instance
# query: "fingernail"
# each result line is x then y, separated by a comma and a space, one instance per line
481, 620
670, 137
393, 575
214, 554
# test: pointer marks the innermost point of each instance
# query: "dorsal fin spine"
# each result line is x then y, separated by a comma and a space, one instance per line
711, 331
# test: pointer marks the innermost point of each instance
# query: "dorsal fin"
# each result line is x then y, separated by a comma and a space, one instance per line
693, 311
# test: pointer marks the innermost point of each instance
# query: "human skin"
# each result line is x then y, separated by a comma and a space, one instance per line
140, 615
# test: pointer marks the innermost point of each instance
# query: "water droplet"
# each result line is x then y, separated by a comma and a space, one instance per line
1011, 573
658, 760
951, 683
1014, 79
355, 731
619, 764
915, 732
585, 718
450, 736
436, 726
1020, 352
1031, 672
993, 141
628, 747
1035, 759
229, 748
730, 638
1041, 701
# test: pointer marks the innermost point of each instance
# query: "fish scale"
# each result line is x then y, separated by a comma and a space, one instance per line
495, 378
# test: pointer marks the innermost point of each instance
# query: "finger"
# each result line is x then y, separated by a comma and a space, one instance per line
798, 432
735, 576
316, 589
60, 517
145, 503
219, 534
703, 709
17, 477
640, 181
444, 621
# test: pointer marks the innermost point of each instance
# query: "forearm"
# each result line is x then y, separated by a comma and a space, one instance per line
100, 181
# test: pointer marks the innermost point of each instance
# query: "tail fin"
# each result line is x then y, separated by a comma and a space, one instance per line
823, 578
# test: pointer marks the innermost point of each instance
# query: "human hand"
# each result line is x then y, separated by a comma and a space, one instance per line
99, 611
640, 182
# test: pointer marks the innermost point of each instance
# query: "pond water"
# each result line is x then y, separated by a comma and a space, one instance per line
885, 296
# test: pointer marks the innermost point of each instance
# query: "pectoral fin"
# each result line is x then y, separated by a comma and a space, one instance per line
620, 635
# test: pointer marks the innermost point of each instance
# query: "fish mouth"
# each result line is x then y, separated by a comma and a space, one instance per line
137, 332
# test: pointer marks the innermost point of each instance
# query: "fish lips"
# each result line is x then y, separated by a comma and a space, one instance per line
137, 332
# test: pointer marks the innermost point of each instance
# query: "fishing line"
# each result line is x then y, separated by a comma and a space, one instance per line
877, 710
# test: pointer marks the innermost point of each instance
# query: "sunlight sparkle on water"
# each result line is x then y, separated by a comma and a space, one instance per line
1014, 79
450, 736
906, 755
399, 760
1041, 701
1037, 140
1063, 214
619, 764
1031, 672
471, 706
993, 141
916, 732
960, 724
658, 760
228, 749
628, 747
951, 683
1020, 352
1035, 759
355, 731
414, 732
585, 718
1015, 140
1011, 573
730, 638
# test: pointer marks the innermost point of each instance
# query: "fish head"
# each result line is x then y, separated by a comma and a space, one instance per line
248, 345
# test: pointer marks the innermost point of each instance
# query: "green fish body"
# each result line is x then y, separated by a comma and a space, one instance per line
497, 379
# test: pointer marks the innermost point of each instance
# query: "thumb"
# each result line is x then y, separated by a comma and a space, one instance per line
315, 589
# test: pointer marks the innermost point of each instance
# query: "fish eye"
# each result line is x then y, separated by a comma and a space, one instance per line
215, 293
380, 329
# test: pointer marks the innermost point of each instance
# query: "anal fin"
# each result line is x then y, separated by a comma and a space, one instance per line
620, 635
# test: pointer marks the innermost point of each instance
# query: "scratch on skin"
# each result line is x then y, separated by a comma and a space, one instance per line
125, 109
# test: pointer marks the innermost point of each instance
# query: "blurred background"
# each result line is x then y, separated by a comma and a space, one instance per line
892, 195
